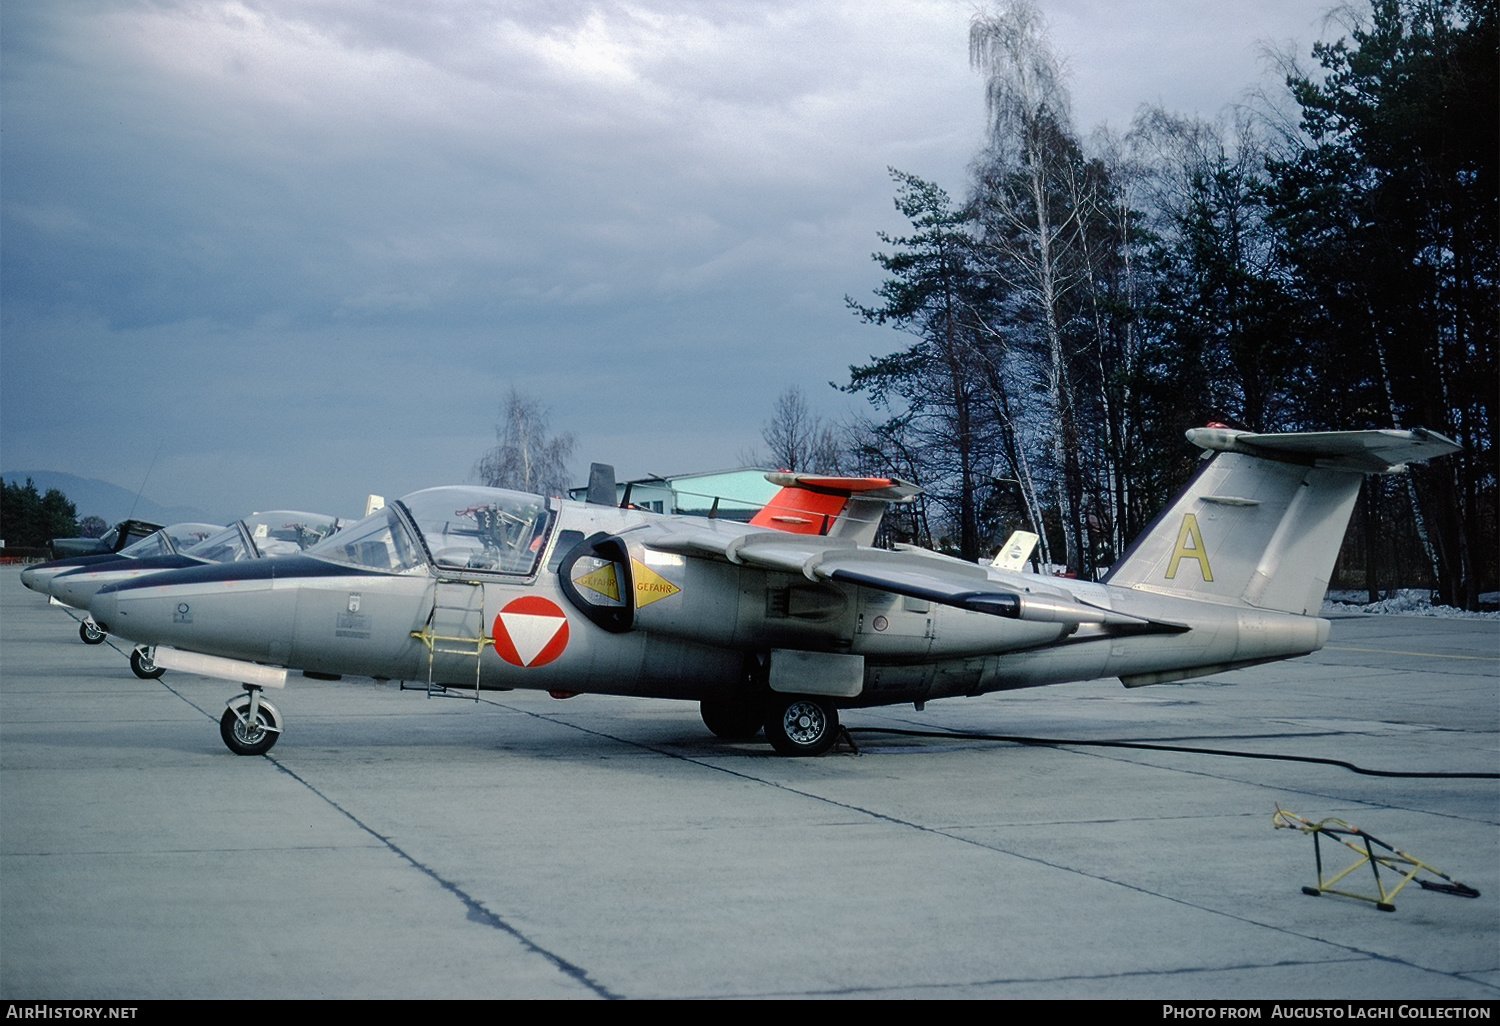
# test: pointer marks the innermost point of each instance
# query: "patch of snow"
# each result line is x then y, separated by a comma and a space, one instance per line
1405, 602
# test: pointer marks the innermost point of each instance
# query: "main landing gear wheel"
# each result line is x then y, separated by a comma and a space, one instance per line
89, 631
143, 665
733, 719
247, 735
799, 725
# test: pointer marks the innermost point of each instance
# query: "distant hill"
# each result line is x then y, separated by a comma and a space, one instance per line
110, 503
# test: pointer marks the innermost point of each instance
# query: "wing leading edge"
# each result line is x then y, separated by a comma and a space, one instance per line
911, 572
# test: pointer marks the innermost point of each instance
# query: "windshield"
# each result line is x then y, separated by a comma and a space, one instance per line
170, 540
287, 532
185, 536
481, 528
278, 533
138, 530
379, 541
151, 545
228, 546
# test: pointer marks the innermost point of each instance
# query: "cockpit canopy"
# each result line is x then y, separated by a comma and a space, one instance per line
460, 528
170, 540
261, 535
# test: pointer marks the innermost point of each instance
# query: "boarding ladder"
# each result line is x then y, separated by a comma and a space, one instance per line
455, 637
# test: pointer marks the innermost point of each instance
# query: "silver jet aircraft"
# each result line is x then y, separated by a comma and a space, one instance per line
776, 624
73, 582
164, 541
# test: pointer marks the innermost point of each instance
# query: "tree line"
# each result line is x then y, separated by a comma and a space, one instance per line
1325, 262
1329, 264
30, 519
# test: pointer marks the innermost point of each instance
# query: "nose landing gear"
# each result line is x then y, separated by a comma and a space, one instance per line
143, 663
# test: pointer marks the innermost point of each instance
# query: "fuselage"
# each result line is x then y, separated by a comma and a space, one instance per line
455, 587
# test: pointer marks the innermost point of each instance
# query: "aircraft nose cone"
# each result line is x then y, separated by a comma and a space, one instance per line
29, 578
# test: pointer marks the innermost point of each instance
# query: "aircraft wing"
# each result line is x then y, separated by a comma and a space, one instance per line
912, 572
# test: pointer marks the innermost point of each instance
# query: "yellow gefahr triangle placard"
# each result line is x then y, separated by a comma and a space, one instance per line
650, 586
603, 581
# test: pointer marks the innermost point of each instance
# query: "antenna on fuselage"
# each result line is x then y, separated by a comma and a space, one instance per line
142, 490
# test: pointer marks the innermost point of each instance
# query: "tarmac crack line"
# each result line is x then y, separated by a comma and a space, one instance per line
1421, 655
1002, 981
949, 835
1339, 800
477, 910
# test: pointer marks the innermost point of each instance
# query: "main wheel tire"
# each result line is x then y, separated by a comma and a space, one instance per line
733, 719
253, 738
89, 631
143, 666
801, 725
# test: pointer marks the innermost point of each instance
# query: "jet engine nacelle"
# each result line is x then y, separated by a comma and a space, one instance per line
623, 585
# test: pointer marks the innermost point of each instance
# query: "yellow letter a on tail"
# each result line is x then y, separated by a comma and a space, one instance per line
1183, 550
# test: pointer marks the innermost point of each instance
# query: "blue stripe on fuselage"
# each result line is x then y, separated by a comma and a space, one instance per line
276, 568
114, 563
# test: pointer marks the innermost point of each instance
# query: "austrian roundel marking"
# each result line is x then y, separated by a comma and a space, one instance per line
531, 631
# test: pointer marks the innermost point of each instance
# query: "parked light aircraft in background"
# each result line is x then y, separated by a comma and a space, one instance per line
122, 535
779, 623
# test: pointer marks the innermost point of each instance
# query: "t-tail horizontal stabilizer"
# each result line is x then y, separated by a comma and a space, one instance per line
1261, 523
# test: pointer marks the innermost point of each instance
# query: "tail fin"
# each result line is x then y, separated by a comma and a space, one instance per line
1016, 551
602, 485
840, 507
1262, 522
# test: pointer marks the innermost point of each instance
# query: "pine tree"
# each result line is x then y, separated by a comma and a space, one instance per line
937, 292
1388, 217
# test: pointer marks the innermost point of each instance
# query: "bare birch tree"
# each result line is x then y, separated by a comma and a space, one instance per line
526, 456
1028, 185
799, 439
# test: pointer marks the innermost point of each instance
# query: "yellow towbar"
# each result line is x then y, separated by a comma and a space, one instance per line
1371, 851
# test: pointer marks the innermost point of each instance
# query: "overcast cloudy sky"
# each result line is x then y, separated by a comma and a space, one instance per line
304, 248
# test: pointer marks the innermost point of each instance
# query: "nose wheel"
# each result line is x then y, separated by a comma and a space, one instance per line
143, 664
250, 725
89, 631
